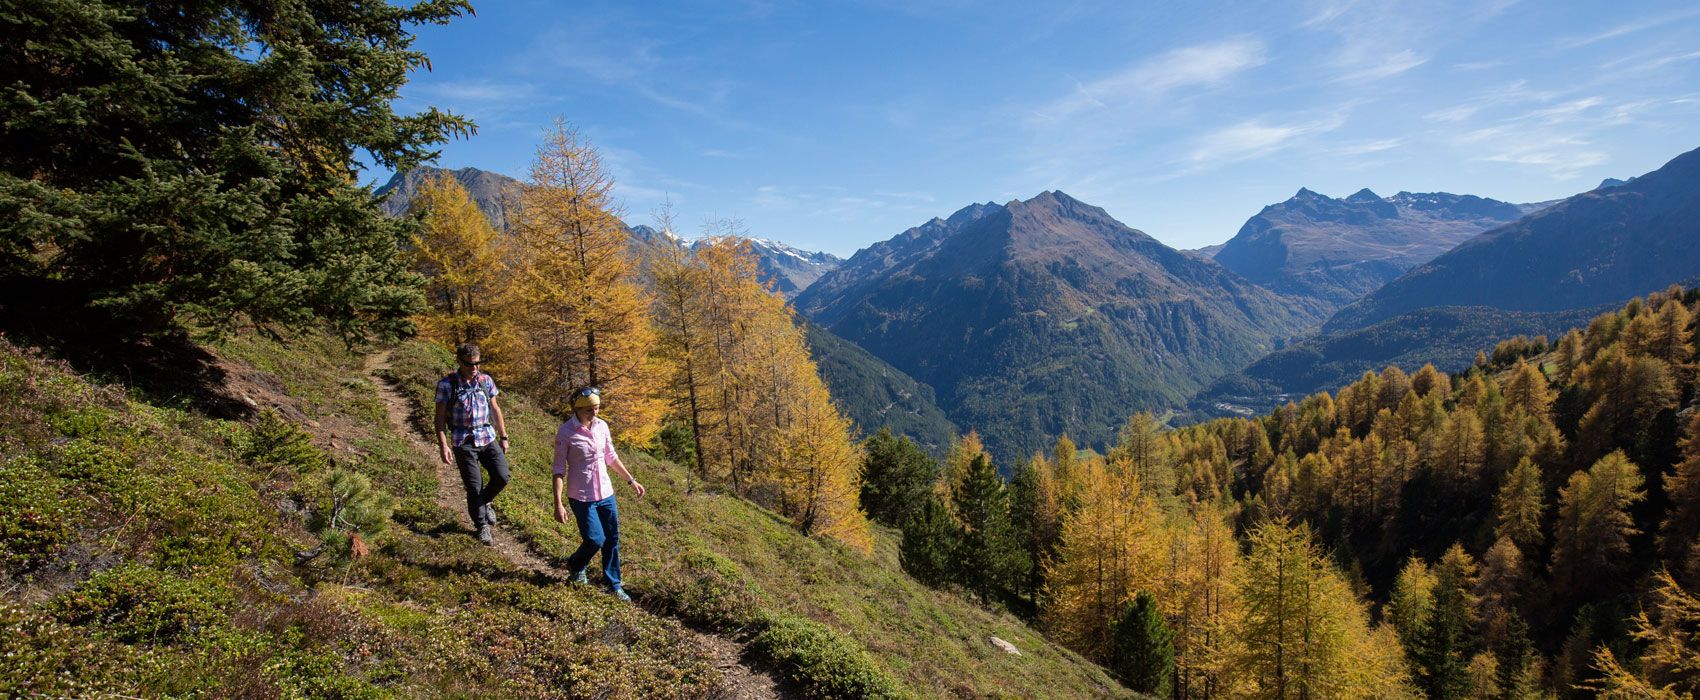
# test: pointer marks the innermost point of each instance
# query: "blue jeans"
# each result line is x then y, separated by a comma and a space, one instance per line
599, 526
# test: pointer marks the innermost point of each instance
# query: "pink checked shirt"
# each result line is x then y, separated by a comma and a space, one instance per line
582, 455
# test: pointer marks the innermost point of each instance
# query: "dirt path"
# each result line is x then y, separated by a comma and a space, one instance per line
738, 680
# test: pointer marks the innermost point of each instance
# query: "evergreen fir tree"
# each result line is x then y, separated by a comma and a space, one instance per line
930, 542
172, 163
1143, 648
991, 560
897, 477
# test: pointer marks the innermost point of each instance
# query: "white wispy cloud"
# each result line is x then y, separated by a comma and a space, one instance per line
1386, 66
1453, 114
1381, 39
1257, 138
1360, 148
1631, 27
1192, 66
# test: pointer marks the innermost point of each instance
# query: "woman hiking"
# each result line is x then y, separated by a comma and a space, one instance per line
583, 453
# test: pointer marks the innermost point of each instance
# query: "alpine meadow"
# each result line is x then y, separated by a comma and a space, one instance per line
972, 349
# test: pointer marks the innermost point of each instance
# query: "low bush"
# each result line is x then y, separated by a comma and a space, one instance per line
706, 589
824, 662
133, 603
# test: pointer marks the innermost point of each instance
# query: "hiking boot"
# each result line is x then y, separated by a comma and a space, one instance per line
620, 593
484, 535
489, 515
580, 578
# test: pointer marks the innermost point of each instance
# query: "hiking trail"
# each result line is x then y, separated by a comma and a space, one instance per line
738, 680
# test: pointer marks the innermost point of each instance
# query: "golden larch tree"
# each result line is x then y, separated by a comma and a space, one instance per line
1113, 545
575, 314
457, 251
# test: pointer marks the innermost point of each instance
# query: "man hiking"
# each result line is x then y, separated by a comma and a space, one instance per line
466, 409
583, 452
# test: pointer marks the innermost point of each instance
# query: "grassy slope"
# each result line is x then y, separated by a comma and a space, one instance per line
148, 551
723, 562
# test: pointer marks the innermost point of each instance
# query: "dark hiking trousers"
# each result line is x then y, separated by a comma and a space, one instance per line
473, 462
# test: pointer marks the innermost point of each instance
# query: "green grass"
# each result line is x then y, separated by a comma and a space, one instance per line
725, 564
152, 552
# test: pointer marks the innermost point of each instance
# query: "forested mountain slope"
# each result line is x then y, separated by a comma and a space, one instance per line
1597, 247
1527, 528
1047, 316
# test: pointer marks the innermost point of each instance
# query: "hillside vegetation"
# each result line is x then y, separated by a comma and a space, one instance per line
153, 550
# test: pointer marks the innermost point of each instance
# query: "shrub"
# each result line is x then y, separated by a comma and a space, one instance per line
825, 663
707, 589
139, 604
276, 442
347, 507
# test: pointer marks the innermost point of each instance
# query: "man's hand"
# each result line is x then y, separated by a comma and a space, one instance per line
560, 513
638, 488
504, 440
443, 452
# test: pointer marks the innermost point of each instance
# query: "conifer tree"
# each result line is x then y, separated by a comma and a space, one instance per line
957, 462
1591, 538
930, 543
679, 284
1517, 506
196, 163
1625, 393
991, 561
897, 476
455, 248
1304, 635
1443, 652
1112, 546
1526, 388
817, 465
1412, 602
1140, 443
1669, 666
1036, 513
1679, 536
1205, 604
575, 314
1143, 654
1428, 379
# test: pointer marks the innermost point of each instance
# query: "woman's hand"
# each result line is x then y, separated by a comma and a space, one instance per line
560, 513
637, 487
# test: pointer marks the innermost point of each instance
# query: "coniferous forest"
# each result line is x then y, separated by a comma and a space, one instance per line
1522, 529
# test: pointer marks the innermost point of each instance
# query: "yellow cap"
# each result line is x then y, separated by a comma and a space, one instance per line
587, 401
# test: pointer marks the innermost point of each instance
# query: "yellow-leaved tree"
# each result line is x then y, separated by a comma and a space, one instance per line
574, 314
456, 249
740, 376
1303, 633
1113, 545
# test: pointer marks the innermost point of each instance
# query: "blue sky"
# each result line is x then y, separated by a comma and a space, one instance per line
832, 125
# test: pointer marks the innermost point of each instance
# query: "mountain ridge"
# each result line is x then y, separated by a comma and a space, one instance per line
1124, 321
1600, 246
1339, 249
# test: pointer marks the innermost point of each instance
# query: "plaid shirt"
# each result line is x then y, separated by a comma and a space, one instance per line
469, 407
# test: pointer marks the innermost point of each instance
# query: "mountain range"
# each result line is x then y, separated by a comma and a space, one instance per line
1339, 249
1045, 316
1602, 246
1542, 274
